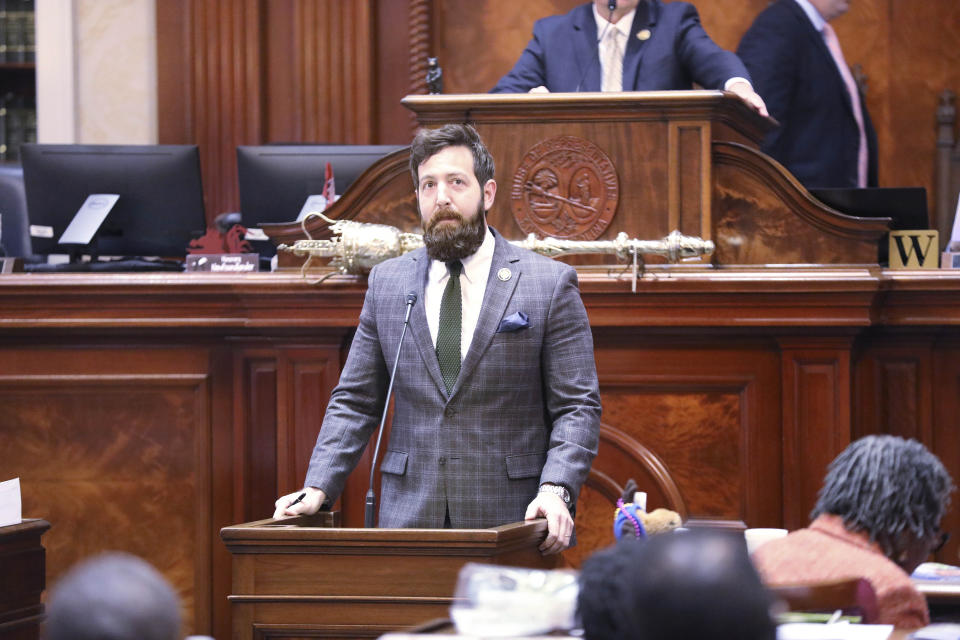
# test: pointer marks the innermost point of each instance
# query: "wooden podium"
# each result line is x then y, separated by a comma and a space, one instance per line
22, 579
305, 577
587, 166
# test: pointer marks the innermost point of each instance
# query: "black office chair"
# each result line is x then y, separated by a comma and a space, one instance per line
14, 222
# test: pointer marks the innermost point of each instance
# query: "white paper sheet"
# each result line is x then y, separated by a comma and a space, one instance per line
838, 631
955, 235
10, 503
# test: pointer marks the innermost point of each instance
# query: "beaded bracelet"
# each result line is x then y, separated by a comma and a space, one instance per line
624, 513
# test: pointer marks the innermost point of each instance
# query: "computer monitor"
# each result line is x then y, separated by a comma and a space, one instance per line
159, 211
275, 180
906, 206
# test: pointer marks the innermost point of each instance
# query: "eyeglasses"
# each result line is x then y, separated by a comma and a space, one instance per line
940, 540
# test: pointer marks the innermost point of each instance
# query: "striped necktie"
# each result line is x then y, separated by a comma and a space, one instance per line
448, 334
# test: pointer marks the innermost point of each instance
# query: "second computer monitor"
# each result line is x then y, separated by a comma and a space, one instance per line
275, 180
161, 199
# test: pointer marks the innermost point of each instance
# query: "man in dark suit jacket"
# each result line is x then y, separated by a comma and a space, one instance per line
667, 50
792, 68
511, 431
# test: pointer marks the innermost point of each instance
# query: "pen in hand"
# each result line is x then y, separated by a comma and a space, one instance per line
299, 499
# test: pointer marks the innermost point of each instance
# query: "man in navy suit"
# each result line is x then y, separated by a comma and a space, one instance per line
825, 137
659, 46
501, 422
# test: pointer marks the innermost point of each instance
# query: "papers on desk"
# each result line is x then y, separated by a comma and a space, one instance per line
838, 631
936, 571
10, 503
941, 631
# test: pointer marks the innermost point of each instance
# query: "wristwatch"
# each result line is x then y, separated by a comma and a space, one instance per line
558, 490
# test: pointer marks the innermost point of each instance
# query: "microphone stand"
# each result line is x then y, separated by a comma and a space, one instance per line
370, 505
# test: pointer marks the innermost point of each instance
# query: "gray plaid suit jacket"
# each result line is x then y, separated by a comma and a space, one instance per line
524, 410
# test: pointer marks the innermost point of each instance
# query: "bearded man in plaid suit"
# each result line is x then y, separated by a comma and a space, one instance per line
497, 405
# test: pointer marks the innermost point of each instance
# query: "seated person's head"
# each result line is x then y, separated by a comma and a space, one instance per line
892, 489
114, 596
694, 584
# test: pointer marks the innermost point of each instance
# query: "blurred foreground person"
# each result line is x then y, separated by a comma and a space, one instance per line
693, 584
114, 596
877, 517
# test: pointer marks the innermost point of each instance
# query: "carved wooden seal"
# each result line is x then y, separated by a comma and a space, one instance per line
565, 187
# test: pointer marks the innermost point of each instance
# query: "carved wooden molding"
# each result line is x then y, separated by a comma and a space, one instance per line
794, 195
421, 41
648, 463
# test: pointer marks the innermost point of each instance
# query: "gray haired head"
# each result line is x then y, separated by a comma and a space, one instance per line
887, 487
114, 596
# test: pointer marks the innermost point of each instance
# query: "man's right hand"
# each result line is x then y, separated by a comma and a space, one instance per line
310, 504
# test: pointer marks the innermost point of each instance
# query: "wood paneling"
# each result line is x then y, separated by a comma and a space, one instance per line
816, 417
326, 94
251, 72
893, 385
114, 447
704, 422
946, 436
147, 411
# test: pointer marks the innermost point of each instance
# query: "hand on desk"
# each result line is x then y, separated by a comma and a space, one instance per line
559, 522
745, 90
288, 506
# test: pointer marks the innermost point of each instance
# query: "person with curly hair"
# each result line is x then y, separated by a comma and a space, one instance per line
877, 517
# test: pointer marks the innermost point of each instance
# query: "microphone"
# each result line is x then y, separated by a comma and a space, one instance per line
612, 5
370, 505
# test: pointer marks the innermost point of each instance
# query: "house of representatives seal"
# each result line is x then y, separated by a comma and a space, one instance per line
565, 187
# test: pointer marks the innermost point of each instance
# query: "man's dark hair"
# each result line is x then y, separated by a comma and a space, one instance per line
114, 596
674, 586
429, 142
886, 486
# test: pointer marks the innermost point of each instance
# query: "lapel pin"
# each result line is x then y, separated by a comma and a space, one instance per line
643, 34
504, 274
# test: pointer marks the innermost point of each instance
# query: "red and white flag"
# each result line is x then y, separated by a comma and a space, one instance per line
329, 185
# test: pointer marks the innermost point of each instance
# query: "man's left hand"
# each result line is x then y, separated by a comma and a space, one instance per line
747, 94
559, 523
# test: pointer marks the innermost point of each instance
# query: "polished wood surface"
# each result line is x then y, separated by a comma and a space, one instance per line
147, 411
22, 579
292, 578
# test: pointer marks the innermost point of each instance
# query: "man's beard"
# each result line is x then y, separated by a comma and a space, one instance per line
454, 241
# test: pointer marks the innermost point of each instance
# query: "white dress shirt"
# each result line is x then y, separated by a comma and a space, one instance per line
473, 284
624, 26
605, 43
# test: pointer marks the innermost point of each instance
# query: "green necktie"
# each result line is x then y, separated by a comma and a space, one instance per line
448, 335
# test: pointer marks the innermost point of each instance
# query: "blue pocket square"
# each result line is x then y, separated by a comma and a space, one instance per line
514, 322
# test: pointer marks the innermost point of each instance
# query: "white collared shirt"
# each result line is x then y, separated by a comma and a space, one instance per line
623, 25
815, 18
473, 284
